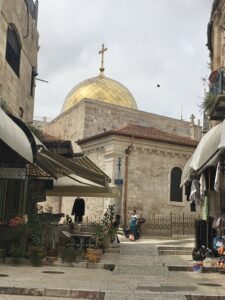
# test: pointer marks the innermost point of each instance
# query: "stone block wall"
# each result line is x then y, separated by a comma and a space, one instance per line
68, 126
149, 169
90, 117
15, 90
101, 116
216, 28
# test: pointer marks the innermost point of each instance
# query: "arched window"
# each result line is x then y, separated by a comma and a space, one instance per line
13, 49
175, 190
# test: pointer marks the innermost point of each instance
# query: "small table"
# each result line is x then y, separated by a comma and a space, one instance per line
83, 237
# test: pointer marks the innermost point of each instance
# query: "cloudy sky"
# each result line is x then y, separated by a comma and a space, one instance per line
148, 41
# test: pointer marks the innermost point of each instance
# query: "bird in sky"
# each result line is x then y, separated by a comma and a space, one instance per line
158, 85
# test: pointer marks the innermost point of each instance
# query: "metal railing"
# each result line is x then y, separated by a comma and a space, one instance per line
171, 225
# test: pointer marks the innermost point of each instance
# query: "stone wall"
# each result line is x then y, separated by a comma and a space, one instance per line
90, 117
69, 125
101, 116
217, 36
150, 165
15, 90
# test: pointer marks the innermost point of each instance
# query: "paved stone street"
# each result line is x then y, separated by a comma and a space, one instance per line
139, 273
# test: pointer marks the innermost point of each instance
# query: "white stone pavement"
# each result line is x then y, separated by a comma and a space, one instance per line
139, 274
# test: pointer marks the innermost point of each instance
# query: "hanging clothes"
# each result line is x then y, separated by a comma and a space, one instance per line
202, 183
78, 209
193, 206
187, 190
205, 209
195, 193
217, 178
195, 190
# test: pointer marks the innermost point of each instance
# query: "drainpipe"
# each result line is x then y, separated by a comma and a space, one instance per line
127, 152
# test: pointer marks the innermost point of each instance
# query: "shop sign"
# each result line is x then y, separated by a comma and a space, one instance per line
12, 173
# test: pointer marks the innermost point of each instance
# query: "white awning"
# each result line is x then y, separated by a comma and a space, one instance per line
186, 173
13, 136
207, 152
208, 148
78, 186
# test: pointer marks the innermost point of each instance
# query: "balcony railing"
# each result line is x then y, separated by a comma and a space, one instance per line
217, 90
217, 82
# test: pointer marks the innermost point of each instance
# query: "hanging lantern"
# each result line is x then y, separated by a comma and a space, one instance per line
118, 176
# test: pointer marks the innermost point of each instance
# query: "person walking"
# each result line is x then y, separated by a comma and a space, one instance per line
133, 222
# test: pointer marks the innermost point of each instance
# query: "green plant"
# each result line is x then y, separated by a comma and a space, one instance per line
36, 253
103, 229
71, 254
207, 101
108, 215
35, 241
100, 233
18, 243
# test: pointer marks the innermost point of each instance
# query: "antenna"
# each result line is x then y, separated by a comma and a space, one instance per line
39, 79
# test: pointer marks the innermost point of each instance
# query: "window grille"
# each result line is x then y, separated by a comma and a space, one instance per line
13, 49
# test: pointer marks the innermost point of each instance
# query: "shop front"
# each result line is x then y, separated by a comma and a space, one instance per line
204, 181
27, 172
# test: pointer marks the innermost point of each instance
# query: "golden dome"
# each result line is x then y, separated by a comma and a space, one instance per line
100, 88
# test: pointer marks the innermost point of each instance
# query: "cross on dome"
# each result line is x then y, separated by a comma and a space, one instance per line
102, 69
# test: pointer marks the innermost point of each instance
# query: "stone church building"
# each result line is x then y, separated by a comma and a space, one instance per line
143, 152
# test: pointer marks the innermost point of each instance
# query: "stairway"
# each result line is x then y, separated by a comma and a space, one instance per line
174, 250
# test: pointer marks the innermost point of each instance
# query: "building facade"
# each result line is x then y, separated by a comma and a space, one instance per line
101, 118
18, 56
216, 35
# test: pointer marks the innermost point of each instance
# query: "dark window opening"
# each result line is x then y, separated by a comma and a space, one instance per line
13, 50
21, 112
11, 198
175, 190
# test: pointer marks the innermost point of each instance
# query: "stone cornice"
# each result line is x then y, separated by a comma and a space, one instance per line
116, 150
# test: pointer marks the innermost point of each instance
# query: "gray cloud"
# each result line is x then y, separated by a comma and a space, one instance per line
148, 42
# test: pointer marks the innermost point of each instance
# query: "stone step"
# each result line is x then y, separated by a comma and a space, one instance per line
174, 248
52, 292
189, 268
112, 250
174, 252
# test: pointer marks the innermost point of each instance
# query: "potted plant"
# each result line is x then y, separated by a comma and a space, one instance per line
71, 254
94, 253
102, 233
198, 255
35, 246
107, 222
18, 238
46, 215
